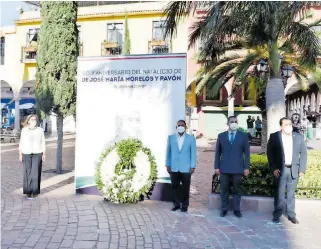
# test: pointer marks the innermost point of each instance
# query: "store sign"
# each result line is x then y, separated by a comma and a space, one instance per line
134, 96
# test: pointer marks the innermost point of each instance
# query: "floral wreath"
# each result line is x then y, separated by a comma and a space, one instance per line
126, 172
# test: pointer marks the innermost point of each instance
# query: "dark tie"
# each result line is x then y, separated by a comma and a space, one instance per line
231, 138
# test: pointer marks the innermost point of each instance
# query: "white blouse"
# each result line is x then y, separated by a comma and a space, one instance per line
32, 141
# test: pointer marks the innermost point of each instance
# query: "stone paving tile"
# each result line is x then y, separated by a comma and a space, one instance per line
58, 220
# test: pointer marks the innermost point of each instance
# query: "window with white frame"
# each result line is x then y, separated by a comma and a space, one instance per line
115, 32
32, 35
159, 31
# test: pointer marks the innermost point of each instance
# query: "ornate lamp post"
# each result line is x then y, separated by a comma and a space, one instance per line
262, 67
287, 72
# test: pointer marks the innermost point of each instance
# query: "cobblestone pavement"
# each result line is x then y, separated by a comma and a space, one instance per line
60, 219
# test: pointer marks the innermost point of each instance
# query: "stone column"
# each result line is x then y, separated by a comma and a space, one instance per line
230, 107
17, 113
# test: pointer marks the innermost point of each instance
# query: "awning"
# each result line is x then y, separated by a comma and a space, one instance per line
26, 106
4, 102
24, 103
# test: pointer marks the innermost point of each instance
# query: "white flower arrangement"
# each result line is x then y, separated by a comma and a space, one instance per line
126, 172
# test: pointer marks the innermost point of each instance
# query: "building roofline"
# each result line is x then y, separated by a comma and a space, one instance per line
94, 12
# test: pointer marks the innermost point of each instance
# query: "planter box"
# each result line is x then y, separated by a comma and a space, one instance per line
266, 204
157, 43
248, 203
110, 45
30, 49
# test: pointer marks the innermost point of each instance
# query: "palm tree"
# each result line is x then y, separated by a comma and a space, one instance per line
227, 25
240, 68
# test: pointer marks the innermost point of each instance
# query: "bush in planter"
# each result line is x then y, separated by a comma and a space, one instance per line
260, 180
310, 185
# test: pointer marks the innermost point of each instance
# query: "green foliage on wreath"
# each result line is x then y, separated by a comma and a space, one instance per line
119, 192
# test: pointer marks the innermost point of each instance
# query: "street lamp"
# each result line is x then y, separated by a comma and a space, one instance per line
262, 67
287, 71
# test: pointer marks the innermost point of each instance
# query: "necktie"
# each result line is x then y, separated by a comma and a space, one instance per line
231, 138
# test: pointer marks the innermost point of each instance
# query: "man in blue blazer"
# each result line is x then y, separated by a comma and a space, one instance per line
181, 163
232, 160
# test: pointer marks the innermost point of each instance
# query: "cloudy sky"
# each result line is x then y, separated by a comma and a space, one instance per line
10, 11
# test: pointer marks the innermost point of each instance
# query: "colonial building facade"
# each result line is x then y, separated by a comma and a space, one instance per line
101, 33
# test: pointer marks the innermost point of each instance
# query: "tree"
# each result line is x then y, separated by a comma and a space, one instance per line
260, 23
241, 69
57, 64
127, 47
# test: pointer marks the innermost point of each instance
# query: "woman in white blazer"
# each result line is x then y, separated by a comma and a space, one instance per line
32, 152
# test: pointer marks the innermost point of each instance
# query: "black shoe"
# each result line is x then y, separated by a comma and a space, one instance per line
183, 210
293, 220
276, 219
238, 214
175, 208
223, 213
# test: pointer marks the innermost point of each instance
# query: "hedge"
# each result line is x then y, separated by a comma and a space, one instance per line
260, 180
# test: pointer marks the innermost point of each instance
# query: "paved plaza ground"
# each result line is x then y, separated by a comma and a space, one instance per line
60, 219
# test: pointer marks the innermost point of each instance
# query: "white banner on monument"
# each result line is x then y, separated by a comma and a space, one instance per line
139, 96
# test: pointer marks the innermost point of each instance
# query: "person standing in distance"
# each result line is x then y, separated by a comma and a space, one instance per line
250, 125
181, 164
232, 160
32, 151
287, 155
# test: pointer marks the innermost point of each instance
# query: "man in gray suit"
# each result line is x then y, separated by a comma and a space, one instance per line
287, 154
232, 160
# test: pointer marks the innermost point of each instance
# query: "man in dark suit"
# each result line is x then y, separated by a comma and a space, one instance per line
287, 154
232, 160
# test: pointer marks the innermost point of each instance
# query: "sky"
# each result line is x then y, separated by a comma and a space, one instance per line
9, 11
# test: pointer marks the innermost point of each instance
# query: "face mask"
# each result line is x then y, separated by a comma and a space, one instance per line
233, 126
33, 124
288, 130
180, 129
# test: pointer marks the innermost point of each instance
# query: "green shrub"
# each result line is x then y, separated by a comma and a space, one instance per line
310, 185
260, 180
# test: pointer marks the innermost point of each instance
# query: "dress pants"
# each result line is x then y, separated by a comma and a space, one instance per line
32, 173
224, 192
181, 192
282, 183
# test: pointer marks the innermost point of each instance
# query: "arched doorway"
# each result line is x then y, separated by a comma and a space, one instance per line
27, 100
7, 103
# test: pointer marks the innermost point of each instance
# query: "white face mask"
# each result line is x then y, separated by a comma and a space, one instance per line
180, 129
233, 126
33, 124
288, 130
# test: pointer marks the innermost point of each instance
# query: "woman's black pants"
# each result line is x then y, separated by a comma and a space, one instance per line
32, 173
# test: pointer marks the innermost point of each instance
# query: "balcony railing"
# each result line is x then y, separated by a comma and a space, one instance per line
29, 54
158, 47
109, 48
